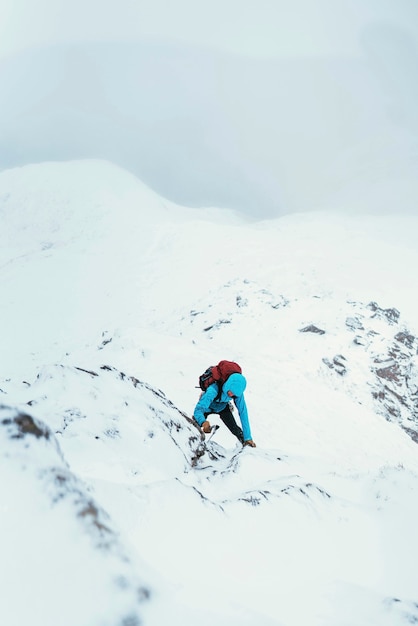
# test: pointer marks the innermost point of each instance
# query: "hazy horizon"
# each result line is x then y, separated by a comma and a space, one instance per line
265, 109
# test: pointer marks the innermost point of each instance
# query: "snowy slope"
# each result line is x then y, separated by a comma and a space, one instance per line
62, 228
104, 333
62, 562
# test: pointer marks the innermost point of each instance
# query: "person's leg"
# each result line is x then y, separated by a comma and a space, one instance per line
229, 421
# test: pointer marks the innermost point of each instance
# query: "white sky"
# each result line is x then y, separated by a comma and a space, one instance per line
249, 27
254, 97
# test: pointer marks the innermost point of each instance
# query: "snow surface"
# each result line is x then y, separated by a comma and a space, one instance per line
114, 509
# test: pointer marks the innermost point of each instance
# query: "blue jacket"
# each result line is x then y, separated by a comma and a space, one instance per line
236, 384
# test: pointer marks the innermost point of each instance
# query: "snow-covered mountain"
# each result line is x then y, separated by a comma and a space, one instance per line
115, 511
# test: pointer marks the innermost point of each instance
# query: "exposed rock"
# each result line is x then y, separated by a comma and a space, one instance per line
391, 315
412, 433
354, 323
216, 325
392, 363
312, 329
23, 424
390, 372
406, 339
240, 301
396, 383
87, 371
337, 364
359, 340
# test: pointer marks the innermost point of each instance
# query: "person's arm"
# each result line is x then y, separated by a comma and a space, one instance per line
205, 400
243, 415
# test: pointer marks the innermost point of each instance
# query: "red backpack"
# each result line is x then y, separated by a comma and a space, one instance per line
218, 374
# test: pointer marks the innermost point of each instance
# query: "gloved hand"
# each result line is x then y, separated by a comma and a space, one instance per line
250, 443
205, 426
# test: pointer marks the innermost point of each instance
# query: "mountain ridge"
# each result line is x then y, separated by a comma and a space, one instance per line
104, 336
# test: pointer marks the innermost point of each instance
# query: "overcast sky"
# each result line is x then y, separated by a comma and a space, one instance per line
268, 105
250, 27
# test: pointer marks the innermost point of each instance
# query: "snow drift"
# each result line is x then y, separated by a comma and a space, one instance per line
110, 490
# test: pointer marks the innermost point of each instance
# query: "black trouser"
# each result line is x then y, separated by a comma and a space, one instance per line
229, 421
